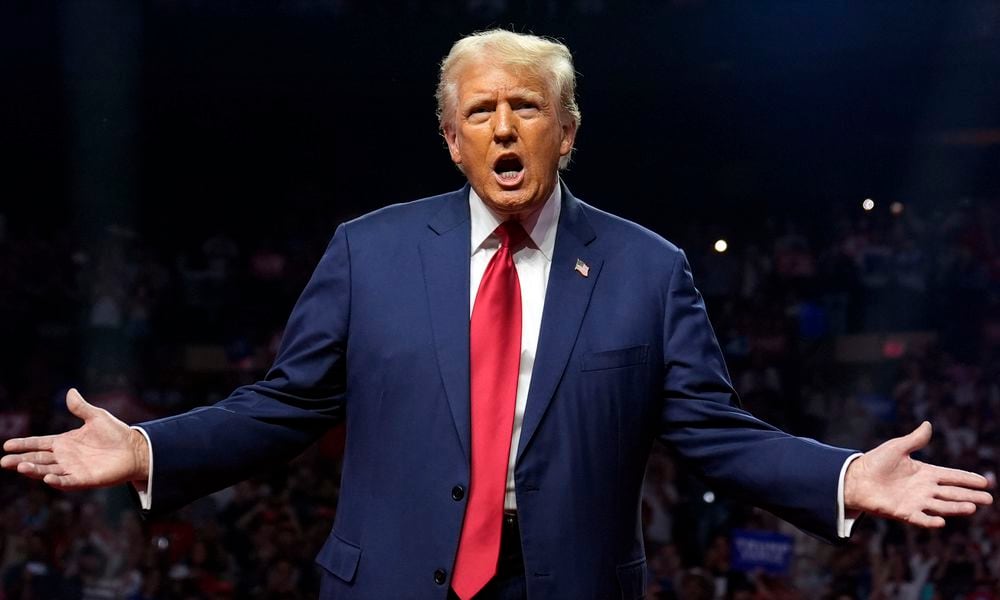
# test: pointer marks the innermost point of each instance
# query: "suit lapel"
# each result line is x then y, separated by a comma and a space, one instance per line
566, 299
445, 259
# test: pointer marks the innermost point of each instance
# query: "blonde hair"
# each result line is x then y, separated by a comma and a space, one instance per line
544, 58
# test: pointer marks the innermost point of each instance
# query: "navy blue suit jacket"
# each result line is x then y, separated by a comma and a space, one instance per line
380, 338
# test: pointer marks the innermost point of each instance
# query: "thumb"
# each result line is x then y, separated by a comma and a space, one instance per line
918, 438
80, 407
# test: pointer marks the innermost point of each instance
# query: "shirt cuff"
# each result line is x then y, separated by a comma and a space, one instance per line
844, 522
145, 490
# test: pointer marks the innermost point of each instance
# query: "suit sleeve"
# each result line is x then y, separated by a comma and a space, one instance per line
794, 478
270, 422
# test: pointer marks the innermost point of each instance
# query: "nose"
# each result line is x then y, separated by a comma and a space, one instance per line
504, 129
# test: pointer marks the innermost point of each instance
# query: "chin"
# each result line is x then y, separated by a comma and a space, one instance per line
499, 202
515, 202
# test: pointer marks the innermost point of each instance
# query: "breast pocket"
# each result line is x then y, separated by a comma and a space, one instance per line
615, 359
632, 579
339, 557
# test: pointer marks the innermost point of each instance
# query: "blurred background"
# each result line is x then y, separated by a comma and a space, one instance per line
170, 172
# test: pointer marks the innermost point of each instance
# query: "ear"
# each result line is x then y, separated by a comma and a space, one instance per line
568, 137
451, 138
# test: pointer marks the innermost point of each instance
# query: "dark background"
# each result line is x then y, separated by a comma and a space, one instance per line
183, 117
170, 172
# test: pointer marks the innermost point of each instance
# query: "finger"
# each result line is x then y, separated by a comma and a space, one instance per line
925, 520
961, 494
28, 470
958, 477
41, 458
10, 461
39, 471
918, 438
61, 482
945, 508
80, 407
28, 444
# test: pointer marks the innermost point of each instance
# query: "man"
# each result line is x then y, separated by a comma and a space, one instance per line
504, 357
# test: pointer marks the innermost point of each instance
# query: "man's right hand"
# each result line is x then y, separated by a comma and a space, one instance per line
103, 452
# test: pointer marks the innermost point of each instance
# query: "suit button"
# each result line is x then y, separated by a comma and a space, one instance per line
457, 493
440, 577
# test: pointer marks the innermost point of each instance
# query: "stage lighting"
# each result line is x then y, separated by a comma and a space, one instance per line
896, 208
868, 204
721, 246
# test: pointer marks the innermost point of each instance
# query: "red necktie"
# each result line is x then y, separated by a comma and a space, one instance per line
495, 355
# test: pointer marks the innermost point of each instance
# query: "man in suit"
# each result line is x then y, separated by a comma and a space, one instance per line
504, 356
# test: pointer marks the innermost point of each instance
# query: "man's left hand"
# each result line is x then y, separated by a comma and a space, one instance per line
889, 483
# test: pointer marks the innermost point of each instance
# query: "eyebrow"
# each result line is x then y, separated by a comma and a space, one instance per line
525, 93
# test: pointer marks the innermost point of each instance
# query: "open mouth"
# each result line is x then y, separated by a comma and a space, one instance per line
509, 170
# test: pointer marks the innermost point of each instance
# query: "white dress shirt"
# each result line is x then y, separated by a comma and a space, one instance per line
533, 262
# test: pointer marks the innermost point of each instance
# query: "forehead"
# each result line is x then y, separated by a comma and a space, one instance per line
489, 77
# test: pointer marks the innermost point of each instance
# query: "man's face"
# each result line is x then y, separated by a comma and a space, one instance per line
507, 136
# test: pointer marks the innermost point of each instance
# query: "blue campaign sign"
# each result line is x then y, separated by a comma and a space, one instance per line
761, 551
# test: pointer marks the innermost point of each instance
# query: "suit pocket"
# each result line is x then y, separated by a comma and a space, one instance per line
632, 579
339, 557
613, 359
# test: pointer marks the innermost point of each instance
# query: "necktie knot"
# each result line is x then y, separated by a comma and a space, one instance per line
511, 234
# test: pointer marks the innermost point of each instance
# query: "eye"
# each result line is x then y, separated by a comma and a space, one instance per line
525, 108
479, 113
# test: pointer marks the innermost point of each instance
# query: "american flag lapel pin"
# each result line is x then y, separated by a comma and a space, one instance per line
582, 268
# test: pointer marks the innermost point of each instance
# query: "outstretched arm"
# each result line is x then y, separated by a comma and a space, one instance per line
889, 483
103, 452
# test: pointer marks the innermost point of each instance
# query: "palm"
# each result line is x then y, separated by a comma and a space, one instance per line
96, 454
887, 482
99, 453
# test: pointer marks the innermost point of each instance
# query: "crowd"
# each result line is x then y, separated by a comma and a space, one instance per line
148, 328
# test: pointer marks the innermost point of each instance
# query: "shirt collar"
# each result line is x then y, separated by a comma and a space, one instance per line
540, 226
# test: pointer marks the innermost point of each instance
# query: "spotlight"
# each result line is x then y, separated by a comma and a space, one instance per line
868, 204
721, 246
708, 497
896, 208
